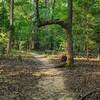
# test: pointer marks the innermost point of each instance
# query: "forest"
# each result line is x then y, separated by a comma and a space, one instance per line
50, 39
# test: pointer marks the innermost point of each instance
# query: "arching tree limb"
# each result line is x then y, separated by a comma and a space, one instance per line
67, 25
63, 24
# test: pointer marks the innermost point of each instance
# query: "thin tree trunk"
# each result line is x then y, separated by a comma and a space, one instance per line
53, 14
53, 9
87, 39
87, 53
46, 16
98, 53
11, 8
36, 38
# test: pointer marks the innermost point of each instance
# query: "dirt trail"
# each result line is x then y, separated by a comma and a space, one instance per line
22, 80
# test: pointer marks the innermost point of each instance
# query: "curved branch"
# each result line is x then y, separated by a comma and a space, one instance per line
63, 24
40, 23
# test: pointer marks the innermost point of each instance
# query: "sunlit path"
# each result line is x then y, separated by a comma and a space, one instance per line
27, 82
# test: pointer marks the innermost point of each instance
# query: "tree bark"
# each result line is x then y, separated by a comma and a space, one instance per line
36, 30
63, 24
98, 53
69, 43
46, 17
53, 8
11, 28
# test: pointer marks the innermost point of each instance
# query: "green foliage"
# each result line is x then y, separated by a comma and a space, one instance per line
3, 43
3, 38
85, 23
3, 17
86, 31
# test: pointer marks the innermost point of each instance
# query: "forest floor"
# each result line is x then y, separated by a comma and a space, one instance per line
34, 79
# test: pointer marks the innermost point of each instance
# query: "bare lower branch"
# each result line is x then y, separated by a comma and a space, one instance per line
63, 24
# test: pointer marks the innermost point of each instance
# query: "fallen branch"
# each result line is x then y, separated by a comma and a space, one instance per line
90, 94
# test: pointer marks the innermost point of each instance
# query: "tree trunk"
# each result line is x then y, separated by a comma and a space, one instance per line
98, 53
69, 43
69, 49
53, 8
46, 27
87, 53
11, 8
36, 30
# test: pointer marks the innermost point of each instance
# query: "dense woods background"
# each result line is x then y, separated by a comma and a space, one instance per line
19, 21
37, 37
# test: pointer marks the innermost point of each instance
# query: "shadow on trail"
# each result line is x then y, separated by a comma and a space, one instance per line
81, 80
26, 83
89, 63
19, 87
20, 81
17, 81
25, 62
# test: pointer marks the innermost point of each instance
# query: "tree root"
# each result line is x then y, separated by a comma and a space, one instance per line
94, 95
